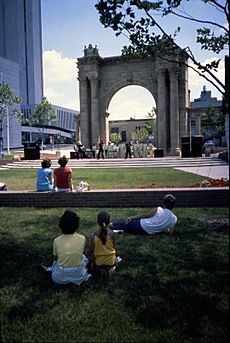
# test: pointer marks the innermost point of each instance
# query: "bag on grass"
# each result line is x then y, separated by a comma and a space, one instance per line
83, 186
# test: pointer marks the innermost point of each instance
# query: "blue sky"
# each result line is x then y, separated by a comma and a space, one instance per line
68, 26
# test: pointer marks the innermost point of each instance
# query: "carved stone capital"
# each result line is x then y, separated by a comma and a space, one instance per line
161, 72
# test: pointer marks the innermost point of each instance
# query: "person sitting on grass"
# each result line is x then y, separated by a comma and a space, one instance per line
45, 176
70, 262
63, 177
102, 248
160, 219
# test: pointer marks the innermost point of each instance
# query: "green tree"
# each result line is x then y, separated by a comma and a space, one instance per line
115, 137
212, 123
140, 21
7, 98
43, 115
151, 115
140, 135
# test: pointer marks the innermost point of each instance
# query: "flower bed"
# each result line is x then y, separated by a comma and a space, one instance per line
205, 183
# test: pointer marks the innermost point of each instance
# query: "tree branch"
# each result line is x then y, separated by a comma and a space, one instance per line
199, 20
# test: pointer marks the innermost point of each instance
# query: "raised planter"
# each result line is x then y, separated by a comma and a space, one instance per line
145, 198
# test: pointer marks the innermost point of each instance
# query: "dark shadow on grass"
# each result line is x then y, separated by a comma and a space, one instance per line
182, 291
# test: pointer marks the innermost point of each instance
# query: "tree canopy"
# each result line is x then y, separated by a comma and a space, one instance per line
44, 114
140, 21
7, 98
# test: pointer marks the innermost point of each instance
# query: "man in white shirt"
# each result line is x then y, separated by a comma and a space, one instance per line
160, 219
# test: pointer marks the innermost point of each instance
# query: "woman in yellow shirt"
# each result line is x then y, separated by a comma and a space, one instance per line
102, 247
70, 262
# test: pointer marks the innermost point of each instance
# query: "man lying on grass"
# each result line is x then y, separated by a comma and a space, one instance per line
160, 219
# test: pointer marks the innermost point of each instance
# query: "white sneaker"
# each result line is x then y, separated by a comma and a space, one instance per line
118, 259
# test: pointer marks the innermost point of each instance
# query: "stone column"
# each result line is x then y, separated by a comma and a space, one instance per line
197, 124
78, 135
174, 113
95, 120
161, 110
84, 111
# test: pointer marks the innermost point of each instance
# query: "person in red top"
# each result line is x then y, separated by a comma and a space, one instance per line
63, 176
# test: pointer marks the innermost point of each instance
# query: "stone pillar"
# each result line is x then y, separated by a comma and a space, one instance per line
174, 114
84, 111
161, 110
95, 120
197, 124
78, 134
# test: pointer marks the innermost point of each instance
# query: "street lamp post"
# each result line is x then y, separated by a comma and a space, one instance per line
7, 130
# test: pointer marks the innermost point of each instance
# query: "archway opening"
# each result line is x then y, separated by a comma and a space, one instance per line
132, 108
131, 102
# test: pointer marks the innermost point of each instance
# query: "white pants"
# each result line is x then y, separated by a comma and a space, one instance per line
75, 275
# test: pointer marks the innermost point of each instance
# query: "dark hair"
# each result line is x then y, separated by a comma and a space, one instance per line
46, 163
169, 201
103, 220
69, 222
63, 161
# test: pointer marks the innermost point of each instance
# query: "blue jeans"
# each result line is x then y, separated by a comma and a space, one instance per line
133, 226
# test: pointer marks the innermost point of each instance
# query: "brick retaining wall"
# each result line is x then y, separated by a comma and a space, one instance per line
186, 197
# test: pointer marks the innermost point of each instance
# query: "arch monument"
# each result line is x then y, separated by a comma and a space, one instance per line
100, 78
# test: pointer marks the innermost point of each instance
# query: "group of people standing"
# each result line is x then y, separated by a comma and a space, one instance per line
76, 260
79, 149
124, 150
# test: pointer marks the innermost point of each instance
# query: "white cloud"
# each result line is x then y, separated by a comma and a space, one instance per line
60, 80
50, 93
59, 68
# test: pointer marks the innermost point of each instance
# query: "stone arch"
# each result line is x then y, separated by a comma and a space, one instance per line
100, 78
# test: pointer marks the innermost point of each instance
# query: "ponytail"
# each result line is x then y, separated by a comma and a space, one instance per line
103, 220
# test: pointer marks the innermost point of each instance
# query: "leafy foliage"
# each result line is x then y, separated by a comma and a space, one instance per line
7, 98
115, 137
141, 134
44, 113
138, 20
212, 123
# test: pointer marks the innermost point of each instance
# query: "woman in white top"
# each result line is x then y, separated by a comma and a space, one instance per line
159, 220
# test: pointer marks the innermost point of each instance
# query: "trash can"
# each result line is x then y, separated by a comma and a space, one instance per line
197, 144
31, 151
158, 153
185, 146
73, 154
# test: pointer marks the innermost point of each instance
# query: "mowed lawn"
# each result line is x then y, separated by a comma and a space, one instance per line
25, 179
169, 290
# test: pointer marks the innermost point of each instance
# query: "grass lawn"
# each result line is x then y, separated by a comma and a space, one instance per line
25, 179
165, 290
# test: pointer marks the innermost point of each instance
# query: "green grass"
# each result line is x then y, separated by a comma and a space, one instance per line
24, 179
165, 290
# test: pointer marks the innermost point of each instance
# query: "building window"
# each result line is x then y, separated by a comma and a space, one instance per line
114, 130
